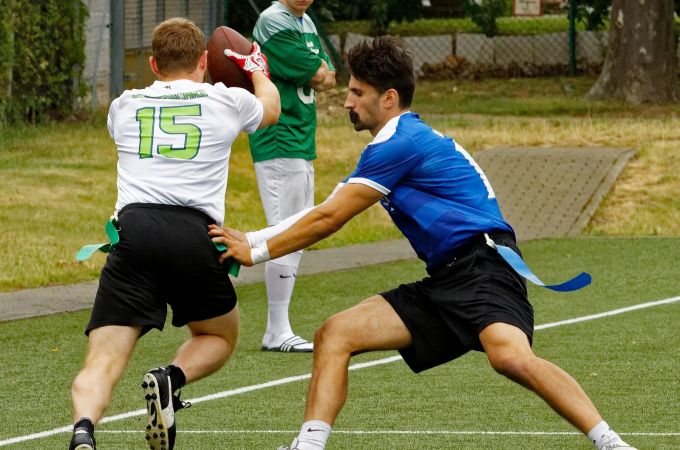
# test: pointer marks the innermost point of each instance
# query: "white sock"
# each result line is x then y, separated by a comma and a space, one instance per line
313, 435
280, 281
602, 435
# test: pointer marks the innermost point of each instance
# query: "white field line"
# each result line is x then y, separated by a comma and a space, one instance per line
406, 432
377, 362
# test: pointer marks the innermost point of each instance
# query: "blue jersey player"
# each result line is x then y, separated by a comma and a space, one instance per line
443, 203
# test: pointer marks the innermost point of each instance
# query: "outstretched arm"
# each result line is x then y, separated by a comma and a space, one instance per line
318, 223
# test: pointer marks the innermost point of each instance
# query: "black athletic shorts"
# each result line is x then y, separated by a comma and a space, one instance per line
446, 311
165, 257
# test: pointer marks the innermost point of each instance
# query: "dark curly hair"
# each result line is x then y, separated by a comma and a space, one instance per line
384, 64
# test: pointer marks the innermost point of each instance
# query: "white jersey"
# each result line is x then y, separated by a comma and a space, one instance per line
174, 142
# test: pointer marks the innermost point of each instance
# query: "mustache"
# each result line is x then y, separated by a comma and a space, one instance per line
353, 117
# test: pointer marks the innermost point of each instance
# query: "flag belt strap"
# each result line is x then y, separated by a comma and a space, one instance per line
518, 265
111, 227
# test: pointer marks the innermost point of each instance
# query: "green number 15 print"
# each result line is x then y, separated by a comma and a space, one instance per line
192, 134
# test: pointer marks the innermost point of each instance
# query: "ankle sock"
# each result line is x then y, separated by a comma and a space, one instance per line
313, 435
177, 377
602, 435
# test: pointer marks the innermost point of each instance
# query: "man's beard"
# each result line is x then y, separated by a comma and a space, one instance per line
354, 118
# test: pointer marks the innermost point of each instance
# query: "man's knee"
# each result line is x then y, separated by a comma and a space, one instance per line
225, 327
332, 336
517, 366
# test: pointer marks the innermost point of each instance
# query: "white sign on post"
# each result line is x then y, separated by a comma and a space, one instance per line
526, 7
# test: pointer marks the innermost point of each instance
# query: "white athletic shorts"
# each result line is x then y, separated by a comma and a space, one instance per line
286, 187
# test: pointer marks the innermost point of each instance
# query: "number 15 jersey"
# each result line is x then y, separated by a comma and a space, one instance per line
174, 142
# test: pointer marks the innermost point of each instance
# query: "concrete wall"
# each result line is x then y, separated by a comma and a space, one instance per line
541, 49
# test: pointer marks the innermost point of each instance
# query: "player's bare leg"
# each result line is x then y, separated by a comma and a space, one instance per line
211, 344
370, 325
109, 349
510, 354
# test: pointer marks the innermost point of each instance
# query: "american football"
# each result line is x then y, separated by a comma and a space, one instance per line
221, 68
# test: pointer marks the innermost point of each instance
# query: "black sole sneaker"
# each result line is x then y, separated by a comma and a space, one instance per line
160, 411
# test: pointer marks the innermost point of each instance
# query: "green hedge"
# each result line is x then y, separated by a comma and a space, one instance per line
425, 27
45, 61
6, 57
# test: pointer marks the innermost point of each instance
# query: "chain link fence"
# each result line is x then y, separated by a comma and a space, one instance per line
536, 46
140, 17
97, 50
442, 47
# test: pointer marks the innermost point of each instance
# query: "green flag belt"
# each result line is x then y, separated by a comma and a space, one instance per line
111, 228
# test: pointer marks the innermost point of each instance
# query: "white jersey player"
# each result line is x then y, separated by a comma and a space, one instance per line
174, 141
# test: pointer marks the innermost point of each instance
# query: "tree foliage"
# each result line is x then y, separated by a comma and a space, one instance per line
242, 16
593, 13
484, 13
42, 56
381, 12
6, 57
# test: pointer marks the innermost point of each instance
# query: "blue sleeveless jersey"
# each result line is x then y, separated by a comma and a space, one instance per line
435, 192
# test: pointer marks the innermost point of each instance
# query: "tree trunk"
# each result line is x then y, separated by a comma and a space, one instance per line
641, 63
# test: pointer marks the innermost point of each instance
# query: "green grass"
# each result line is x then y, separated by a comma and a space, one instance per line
535, 97
59, 181
627, 363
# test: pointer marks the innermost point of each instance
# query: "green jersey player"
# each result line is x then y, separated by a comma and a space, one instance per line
283, 153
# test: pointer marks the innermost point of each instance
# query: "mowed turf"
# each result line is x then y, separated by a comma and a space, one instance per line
628, 363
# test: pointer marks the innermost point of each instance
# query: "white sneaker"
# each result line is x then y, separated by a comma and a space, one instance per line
294, 344
619, 444
293, 446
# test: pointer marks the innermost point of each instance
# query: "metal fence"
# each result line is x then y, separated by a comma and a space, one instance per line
139, 17
96, 72
474, 55
535, 46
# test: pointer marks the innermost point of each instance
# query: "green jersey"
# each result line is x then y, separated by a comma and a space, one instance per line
294, 53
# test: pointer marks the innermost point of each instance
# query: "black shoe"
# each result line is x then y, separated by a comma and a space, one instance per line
83, 436
161, 405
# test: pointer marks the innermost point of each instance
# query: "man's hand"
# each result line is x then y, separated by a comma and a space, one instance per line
256, 61
236, 242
